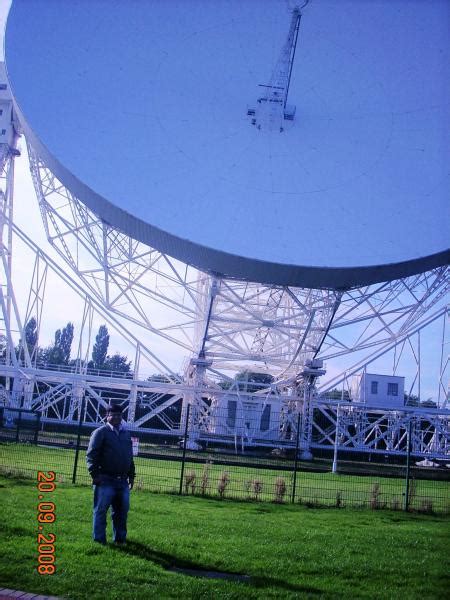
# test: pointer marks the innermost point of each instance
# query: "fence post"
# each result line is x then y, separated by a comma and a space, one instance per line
19, 422
77, 451
334, 467
38, 426
294, 484
408, 457
184, 449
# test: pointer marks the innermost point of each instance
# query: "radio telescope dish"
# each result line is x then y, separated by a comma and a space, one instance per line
148, 113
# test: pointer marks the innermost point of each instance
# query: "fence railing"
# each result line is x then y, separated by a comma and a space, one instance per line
29, 444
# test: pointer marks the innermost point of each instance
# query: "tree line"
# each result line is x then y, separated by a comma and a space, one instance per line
59, 352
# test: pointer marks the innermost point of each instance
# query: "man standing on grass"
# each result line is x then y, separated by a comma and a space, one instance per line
110, 463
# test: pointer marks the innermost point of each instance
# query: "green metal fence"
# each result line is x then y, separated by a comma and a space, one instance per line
28, 445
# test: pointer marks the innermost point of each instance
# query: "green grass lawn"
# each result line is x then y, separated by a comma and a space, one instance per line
288, 551
324, 489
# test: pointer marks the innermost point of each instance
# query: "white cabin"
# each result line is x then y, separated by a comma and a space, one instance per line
378, 391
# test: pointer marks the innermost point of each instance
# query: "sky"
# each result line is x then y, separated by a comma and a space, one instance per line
62, 306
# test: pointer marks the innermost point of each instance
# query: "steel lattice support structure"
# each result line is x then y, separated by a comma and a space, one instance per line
357, 429
341, 425
222, 327
10, 314
225, 320
214, 329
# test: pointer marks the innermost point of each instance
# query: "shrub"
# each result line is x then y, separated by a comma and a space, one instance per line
139, 484
7, 472
222, 485
426, 506
412, 490
257, 487
189, 482
280, 489
248, 488
375, 493
396, 504
314, 503
204, 482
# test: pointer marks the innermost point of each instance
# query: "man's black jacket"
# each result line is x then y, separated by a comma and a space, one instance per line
110, 453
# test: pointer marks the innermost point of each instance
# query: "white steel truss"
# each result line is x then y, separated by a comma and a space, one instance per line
334, 425
221, 326
357, 429
233, 324
58, 392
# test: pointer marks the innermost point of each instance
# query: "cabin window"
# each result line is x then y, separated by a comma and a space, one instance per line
392, 389
265, 418
231, 418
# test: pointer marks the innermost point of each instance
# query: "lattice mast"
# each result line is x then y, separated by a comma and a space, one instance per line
272, 108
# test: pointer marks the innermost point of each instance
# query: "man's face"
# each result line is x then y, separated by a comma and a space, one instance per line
114, 418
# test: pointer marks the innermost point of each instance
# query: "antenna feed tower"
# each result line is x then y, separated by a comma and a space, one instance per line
271, 108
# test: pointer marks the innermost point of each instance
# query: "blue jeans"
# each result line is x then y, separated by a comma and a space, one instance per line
113, 493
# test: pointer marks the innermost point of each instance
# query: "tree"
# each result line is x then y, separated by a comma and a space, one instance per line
249, 381
411, 399
3, 344
336, 394
3, 347
59, 353
66, 340
100, 349
102, 360
253, 381
118, 363
428, 403
162, 378
31, 336
3, 350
